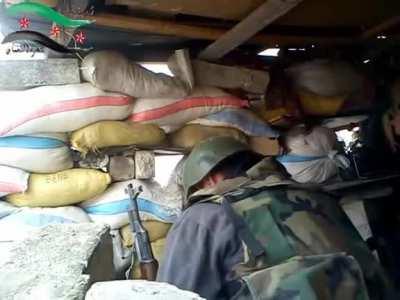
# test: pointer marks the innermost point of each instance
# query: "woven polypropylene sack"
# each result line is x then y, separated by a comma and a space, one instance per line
12, 180
62, 108
112, 207
62, 188
179, 111
241, 119
326, 78
39, 153
191, 135
111, 71
311, 156
113, 133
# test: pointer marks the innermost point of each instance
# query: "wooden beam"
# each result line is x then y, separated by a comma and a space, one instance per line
264, 15
380, 28
205, 33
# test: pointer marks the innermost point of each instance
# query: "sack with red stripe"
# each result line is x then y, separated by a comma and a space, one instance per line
61, 108
173, 113
12, 181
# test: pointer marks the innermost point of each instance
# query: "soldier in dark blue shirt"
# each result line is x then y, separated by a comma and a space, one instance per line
246, 233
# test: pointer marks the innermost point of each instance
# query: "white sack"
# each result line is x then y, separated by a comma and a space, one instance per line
19, 224
311, 156
40, 153
176, 112
112, 207
62, 108
6, 209
12, 180
174, 193
111, 71
326, 78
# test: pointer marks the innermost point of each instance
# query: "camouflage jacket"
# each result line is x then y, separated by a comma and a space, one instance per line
298, 244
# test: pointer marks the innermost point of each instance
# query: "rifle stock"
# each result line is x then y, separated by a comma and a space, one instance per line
149, 270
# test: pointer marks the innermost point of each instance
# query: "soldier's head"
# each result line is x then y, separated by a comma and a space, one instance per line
214, 160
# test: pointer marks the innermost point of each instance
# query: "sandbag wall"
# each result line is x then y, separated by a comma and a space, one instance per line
118, 104
44, 129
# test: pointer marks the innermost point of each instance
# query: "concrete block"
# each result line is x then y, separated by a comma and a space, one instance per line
57, 262
22, 74
138, 289
122, 168
144, 164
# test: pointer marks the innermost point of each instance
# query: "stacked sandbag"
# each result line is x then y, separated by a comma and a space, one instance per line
62, 188
327, 78
172, 113
112, 133
37, 153
33, 127
192, 134
59, 108
111, 71
311, 156
122, 108
12, 181
325, 87
261, 136
240, 119
112, 207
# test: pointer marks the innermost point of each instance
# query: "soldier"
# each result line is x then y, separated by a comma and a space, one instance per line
249, 233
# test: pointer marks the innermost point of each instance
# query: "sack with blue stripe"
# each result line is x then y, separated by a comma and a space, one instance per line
112, 207
39, 153
241, 119
6, 209
312, 157
20, 222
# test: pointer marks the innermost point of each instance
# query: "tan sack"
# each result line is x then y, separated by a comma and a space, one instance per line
111, 71
62, 188
190, 135
113, 133
157, 230
265, 146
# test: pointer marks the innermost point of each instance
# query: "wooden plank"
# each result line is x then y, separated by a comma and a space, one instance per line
220, 9
22, 74
205, 33
381, 28
264, 15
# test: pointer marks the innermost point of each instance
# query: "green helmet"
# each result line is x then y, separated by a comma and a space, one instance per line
205, 156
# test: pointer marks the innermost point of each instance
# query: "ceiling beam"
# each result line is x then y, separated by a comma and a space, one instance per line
264, 15
164, 27
381, 28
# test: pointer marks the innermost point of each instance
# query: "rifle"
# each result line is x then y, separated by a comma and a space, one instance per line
148, 264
